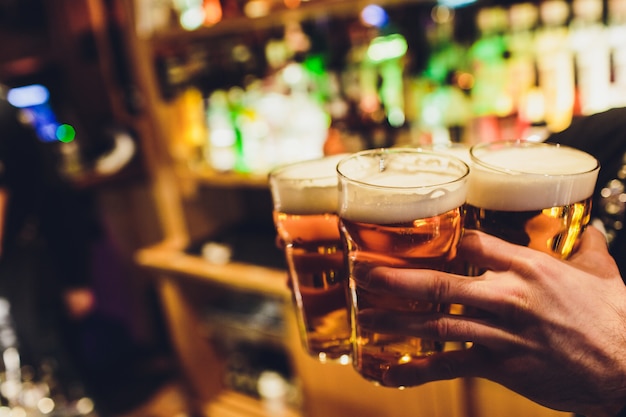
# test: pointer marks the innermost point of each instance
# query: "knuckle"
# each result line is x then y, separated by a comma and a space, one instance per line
440, 288
437, 327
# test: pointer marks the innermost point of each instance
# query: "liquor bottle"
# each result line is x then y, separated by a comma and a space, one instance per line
443, 108
590, 44
522, 69
617, 44
555, 63
488, 58
220, 151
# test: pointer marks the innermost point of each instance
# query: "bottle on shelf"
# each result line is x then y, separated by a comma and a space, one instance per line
592, 57
555, 63
617, 43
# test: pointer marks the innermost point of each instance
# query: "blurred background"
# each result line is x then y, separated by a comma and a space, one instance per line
138, 266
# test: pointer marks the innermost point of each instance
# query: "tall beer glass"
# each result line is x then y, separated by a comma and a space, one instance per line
531, 193
400, 208
305, 215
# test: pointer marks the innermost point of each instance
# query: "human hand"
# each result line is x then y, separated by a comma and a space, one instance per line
553, 331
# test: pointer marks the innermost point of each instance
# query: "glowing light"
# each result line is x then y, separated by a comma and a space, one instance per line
369, 103
85, 405
257, 8
405, 359
192, 19
442, 14
45, 405
456, 3
465, 80
374, 15
396, 117
18, 412
212, 12
65, 133
293, 74
388, 47
28, 96
223, 137
292, 4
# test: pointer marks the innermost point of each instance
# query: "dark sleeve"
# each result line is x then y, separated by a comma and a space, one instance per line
603, 135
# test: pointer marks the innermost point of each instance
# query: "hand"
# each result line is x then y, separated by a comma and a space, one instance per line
553, 331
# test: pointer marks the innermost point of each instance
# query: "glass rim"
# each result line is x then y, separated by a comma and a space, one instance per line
276, 172
513, 143
386, 151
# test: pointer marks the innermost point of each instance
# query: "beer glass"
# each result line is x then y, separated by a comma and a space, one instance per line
305, 215
400, 208
531, 193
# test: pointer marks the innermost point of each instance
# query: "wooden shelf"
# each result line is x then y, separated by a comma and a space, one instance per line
169, 258
207, 176
307, 11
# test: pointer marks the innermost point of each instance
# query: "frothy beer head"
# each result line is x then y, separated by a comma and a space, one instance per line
524, 176
388, 186
308, 187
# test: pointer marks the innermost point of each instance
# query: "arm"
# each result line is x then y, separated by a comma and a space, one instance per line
551, 330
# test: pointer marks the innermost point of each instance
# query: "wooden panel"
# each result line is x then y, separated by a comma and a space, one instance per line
232, 404
199, 362
492, 400
332, 390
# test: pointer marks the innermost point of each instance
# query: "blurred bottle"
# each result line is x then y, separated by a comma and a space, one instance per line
617, 42
590, 44
488, 55
522, 73
220, 152
190, 137
555, 64
444, 109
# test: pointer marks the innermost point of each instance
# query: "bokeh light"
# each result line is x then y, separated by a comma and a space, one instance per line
65, 133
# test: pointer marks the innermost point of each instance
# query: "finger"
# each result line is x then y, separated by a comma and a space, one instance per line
442, 366
490, 252
420, 284
436, 326
434, 286
593, 251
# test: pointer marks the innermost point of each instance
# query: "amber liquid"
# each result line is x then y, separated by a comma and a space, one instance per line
554, 230
428, 243
318, 279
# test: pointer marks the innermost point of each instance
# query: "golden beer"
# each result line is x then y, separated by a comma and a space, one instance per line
305, 205
400, 208
532, 194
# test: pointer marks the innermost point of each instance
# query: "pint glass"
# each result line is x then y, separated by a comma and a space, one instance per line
305, 215
399, 208
531, 193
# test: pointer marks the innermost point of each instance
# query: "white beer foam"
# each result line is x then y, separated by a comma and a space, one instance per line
409, 199
308, 187
534, 178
